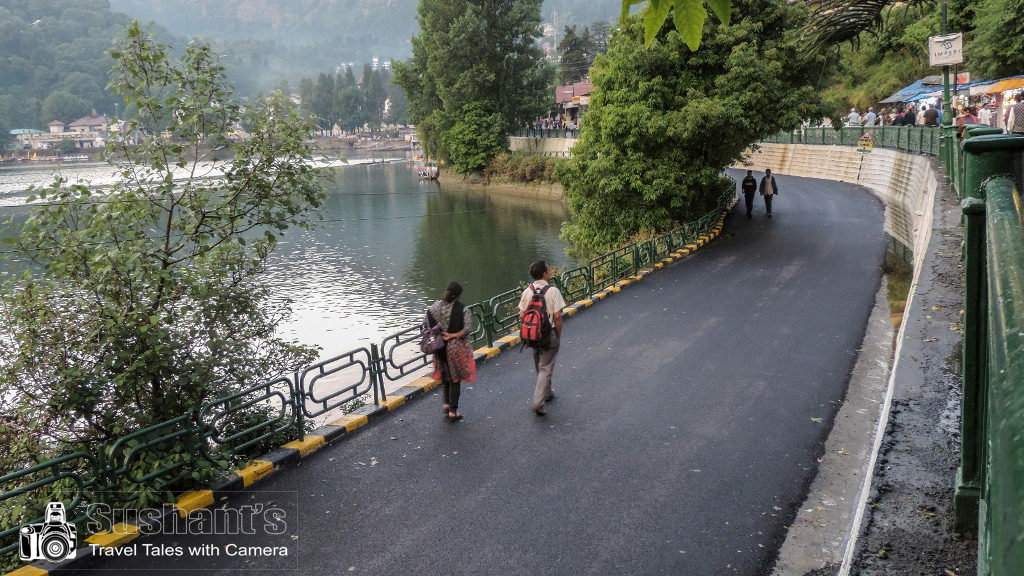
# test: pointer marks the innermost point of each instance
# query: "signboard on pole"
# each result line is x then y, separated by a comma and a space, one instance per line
946, 49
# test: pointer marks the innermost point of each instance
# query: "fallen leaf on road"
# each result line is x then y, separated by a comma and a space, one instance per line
817, 420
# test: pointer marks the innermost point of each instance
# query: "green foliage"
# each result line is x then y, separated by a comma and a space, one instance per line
688, 16
64, 106
51, 46
523, 168
474, 138
144, 302
664, 121
65, 146
576, 54
883, 61
482, 61
5, 133
996, 49
350, 104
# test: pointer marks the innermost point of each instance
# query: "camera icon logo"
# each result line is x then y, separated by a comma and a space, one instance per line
53, 539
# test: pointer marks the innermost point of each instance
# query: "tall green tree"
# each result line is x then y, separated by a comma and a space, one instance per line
374, 97
143, 303
323, 100
664, 121
576, 54
5, 133
306, 91
478, 56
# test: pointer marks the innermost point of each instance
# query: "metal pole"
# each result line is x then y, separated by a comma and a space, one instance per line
947, 119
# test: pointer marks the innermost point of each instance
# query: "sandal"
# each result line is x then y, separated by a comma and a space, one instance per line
446, 408
454, 416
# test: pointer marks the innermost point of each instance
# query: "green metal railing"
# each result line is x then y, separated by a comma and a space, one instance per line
148, 466
1001, 515
987, 169
916, 139
547, 133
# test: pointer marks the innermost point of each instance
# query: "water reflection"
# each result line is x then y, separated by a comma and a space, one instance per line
388, 245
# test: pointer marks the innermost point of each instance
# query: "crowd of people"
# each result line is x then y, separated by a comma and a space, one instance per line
910, 115
931, 116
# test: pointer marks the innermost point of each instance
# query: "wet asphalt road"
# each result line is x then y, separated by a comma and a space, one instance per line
691, 409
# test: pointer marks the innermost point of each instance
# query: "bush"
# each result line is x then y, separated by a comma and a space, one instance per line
522, 168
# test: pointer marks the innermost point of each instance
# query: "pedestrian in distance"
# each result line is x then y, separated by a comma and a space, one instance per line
870, 117
1015, 118
853, 118
910, 117
768, 189
454, 363
540, 297
931, 117
749, 188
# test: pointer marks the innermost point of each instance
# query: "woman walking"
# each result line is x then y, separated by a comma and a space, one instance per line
454, 363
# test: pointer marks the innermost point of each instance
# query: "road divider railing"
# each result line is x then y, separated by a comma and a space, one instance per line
232, 441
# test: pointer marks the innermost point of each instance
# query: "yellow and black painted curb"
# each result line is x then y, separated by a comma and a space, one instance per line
293, 452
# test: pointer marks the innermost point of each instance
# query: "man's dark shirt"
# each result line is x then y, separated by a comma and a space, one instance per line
931, 117
749, 185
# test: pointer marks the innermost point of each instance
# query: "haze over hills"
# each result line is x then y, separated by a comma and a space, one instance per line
55, 66
351, 29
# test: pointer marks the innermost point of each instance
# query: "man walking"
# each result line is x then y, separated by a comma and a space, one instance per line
749, 188
544, 353
768, 189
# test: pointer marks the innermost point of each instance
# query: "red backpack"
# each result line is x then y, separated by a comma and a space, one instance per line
536, 324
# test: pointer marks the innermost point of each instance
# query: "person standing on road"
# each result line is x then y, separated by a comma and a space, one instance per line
768, 189
749, 188
544, 354
931, 117
453, 364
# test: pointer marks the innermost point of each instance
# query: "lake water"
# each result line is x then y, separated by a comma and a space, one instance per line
386, 248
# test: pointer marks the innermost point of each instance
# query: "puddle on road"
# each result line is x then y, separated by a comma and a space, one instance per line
899, 272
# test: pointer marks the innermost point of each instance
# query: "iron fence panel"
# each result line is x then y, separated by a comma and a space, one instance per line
229, 423
353, 369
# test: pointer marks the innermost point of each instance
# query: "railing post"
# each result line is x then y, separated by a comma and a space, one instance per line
299, 402
970, 475
488, 321
375, 379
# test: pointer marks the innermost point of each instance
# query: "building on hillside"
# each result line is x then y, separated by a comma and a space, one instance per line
87, 132
572, 100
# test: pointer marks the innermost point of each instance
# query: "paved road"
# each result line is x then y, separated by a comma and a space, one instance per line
691, 410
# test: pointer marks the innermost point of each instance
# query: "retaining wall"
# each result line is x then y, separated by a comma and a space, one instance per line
905, 182
542, 146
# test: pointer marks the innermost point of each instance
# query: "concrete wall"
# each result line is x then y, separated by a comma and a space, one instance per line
544, 146
905, 182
